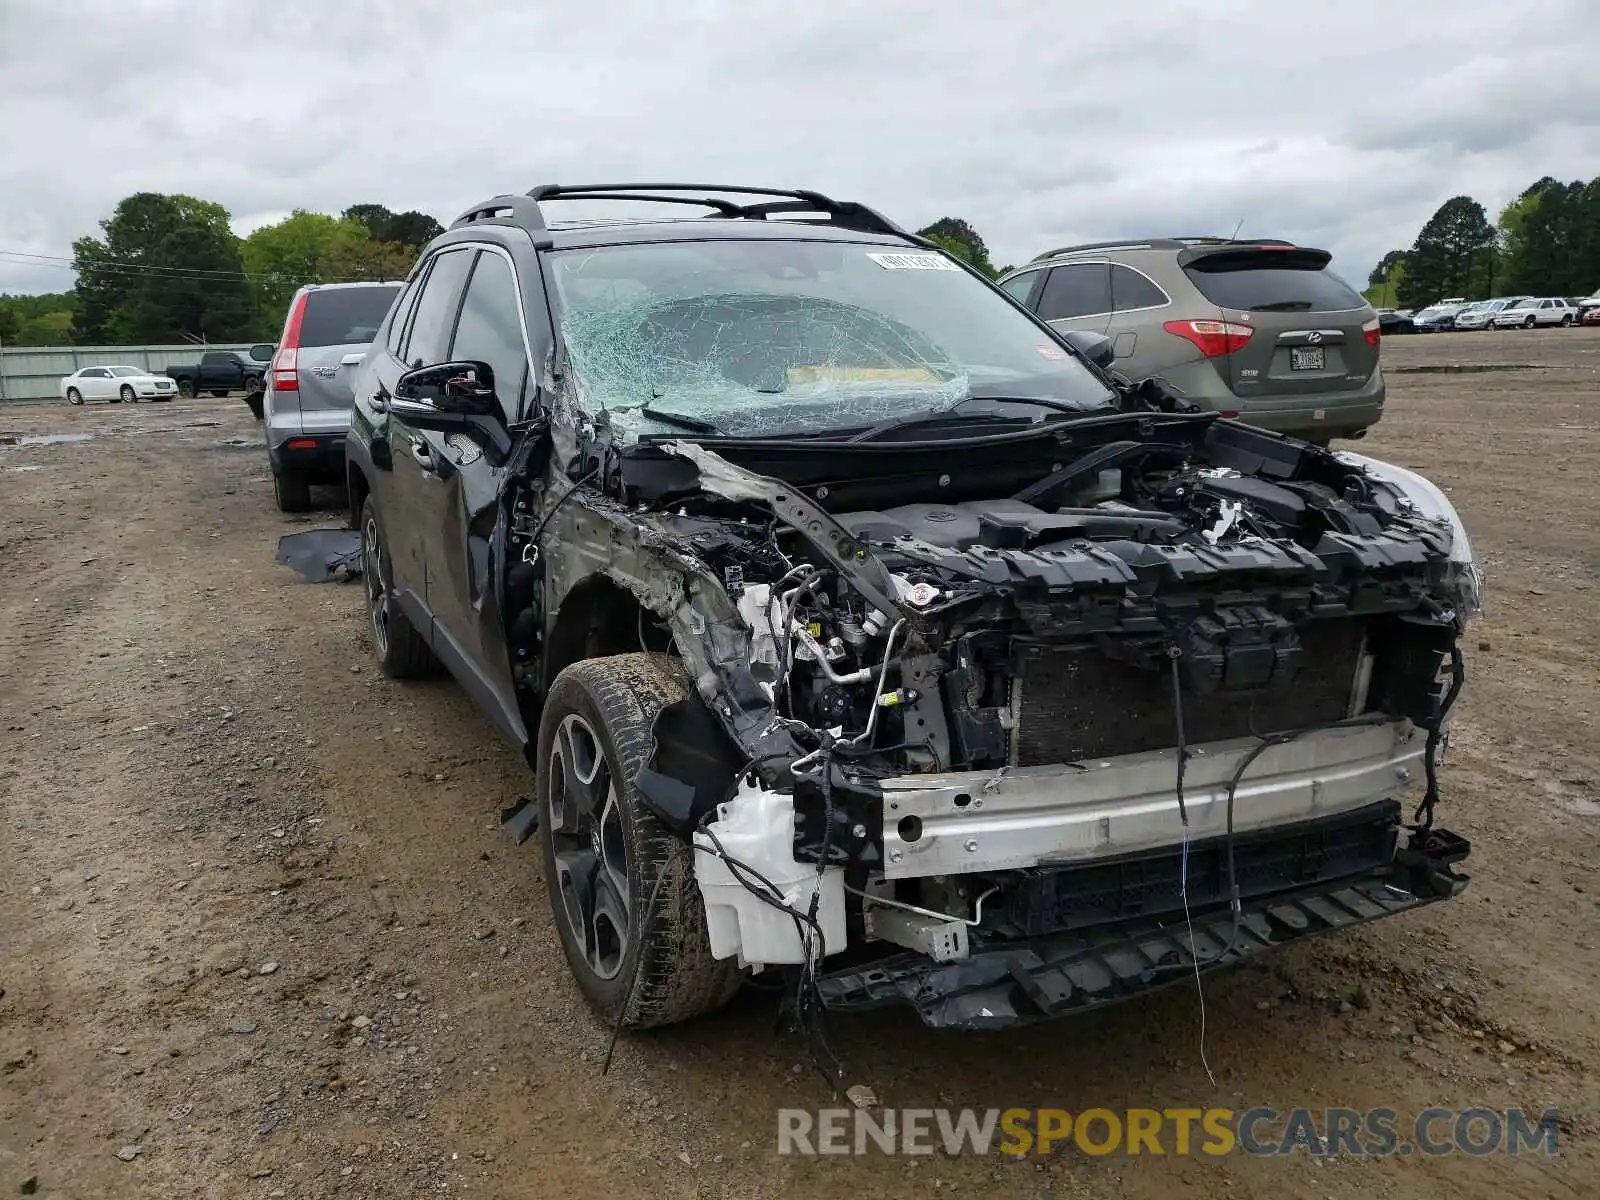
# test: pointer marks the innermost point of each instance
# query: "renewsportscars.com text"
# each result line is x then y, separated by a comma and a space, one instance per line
1261, 1132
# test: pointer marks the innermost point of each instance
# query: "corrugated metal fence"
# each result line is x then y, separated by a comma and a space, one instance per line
34, 372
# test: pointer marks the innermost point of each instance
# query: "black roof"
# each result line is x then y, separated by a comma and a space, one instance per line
773, 213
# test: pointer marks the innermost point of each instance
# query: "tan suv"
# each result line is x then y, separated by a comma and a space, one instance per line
1258, 329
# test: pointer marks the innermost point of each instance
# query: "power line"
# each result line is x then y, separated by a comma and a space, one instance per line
121, 264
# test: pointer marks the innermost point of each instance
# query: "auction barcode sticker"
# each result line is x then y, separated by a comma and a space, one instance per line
913, 262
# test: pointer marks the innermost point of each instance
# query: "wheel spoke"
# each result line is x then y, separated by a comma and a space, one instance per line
377, 586
609, 925
582, 781
589, 845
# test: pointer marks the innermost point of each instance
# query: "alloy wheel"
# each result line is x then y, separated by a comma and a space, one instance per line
375, 574
590, 845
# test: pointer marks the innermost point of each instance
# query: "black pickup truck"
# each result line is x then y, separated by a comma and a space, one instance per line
222, 371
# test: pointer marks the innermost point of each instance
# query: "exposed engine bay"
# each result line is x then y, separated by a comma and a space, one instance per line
1029, 721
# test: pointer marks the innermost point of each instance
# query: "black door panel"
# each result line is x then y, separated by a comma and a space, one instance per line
463, 531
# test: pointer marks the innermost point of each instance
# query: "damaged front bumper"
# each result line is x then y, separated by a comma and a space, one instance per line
1007, 981
1029, 816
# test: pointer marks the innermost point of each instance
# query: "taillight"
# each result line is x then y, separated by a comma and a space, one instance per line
1213, 338
286, 362
1372, 331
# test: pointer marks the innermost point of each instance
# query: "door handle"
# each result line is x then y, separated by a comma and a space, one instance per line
423, 454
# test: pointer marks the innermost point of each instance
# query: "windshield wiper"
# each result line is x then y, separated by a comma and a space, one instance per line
693, 424
933, 415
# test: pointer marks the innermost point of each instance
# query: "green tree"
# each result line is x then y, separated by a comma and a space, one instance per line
38, 320
960, 239
47, 329
308, 247
375, 217
414, 229
1512, 223
1382, 273
167, 268
1558, 239
1450, 254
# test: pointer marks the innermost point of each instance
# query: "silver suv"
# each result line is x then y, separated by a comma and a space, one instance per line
1257, 329
306, 400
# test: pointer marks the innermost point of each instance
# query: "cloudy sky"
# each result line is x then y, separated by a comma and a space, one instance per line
1342, 125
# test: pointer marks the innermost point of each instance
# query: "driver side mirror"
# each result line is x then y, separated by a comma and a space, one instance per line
263, 351
1096, 347
445, 394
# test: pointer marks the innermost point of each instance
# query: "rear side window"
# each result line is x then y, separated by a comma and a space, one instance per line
346, 316
1019, 286
1076, 291
1270, 282
1130, 289
402, 314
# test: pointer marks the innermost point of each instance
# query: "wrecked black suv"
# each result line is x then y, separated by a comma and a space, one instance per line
865, 631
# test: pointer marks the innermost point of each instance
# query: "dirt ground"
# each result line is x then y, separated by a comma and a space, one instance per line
260, 933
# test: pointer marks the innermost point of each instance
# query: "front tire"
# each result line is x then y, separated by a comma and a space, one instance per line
74, 396
186, 388
638, 963
1529, 323
127, 394
292, 491
401, 651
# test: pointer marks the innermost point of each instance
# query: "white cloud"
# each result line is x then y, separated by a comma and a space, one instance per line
1343, 126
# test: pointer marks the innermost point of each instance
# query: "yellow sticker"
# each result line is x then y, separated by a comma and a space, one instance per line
827, 373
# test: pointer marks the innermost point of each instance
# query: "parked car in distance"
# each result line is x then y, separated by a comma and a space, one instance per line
118, 384
1588, 304
1591, 316
1438, 318
220, 372
1255, 329
1536, 310
1395, 320
306, 401
1477, 316
855, 622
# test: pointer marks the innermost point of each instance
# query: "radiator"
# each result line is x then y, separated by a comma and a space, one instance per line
1074, 703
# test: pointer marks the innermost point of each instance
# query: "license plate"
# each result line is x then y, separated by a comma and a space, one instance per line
1308, 358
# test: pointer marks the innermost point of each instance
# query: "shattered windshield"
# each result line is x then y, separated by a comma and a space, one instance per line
756, 337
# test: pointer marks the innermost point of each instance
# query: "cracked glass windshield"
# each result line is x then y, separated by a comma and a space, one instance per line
755, 337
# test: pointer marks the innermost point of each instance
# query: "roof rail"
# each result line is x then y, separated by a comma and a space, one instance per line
522, 210
527, 212
1159, 243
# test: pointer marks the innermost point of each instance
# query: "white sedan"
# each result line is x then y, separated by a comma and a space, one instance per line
115, 384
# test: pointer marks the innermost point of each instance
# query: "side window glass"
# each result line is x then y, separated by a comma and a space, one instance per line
402, 314
490, 330
1019, 286
436, 309
1129, 289
1076, 291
